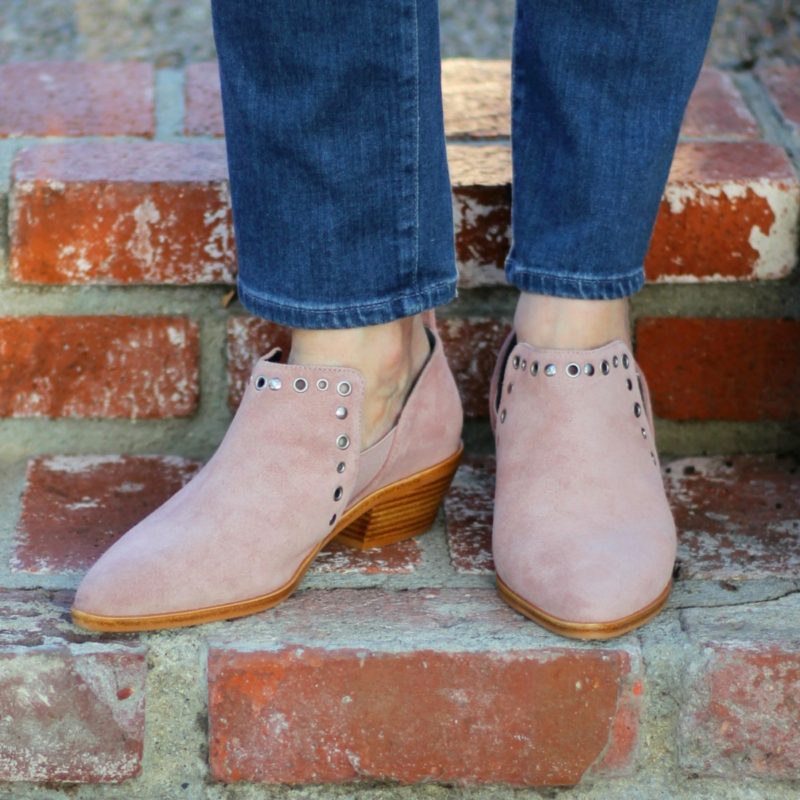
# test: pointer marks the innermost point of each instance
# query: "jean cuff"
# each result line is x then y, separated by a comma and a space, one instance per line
355, 316
585, 287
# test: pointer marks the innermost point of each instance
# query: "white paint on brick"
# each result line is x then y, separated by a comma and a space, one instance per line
86, 502
73, 465
145, 215
176, 336
776, 247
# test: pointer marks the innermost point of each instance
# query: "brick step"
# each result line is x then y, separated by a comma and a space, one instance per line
402, 664
138, 197
156, 212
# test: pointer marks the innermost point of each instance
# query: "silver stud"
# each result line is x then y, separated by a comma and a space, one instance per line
644, 433
573, 370
322, 384
341, 412
503, 415
332, 520
300, 384
615, 361
515, 362
630, 385
338, 492
588, 369
340, 466
260, 383
604, 368
626, 362
637, 410
535, 368
523, 365
344, 388
274, 384
550, 370
343, 441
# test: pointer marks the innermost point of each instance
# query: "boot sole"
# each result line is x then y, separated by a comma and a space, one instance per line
399, 511
583, 630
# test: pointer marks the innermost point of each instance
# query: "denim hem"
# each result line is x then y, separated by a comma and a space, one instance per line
355, 316
585, 287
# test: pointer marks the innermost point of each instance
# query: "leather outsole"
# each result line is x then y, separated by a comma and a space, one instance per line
583, 630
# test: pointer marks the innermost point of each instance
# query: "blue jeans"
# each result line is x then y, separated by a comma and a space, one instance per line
336, 152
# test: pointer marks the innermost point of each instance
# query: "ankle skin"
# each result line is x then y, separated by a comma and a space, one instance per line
389, 356
562, 323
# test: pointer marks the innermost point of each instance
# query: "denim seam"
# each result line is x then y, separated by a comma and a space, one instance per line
573, 278
416, 146
416, 293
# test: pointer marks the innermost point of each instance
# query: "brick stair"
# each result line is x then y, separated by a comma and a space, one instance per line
122, 357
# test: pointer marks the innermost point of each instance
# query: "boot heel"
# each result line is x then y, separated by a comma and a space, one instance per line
404, 509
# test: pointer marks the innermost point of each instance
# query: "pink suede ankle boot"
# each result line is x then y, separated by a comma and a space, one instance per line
583, 539
287, 478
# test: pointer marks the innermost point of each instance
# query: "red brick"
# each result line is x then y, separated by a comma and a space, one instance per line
48, 98
471, 345
481, 182
249, 338
67, 713
537, 713
468, 508
476, 95
741, 702
738, 517
721, 369
75, 507
203, 101
121, 212
98, 366
744, 717
716, 108
730, 211
783, 84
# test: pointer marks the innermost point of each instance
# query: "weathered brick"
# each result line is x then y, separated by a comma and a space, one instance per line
67, 713
471, 345
202, 97
469, 511
716, 108
738, 517
730, 212
249, 338
49, 98
741, 711
98, 366
476, 95
75, 507
783, 84
121, 212
481, 182
320, 708
721, 369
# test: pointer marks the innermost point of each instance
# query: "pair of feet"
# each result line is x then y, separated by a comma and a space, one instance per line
583, 538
